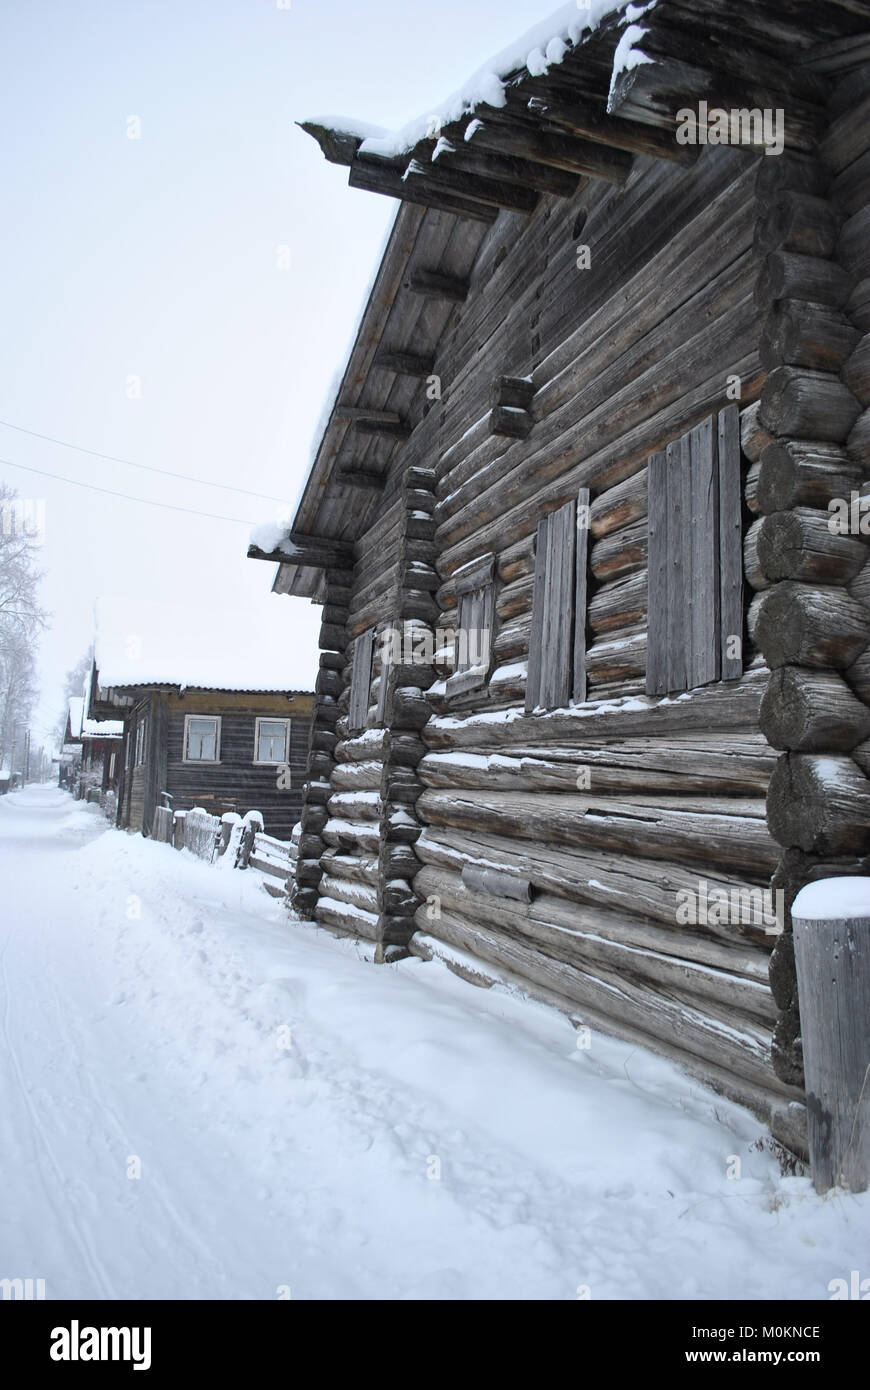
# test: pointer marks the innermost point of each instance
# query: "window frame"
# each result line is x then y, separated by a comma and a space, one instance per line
271, 719
200, 762
474, 583
141, 749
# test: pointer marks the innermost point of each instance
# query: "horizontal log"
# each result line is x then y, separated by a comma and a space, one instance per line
800, 544
347, 919
581, 937
812, 712
799, 222
820, 804
654, 831
619, 605
640, 902
799, 625
433, 284
802, 334
786, 275
620, 553
620, 505
753, 436
732, 705
797, 473
803, 404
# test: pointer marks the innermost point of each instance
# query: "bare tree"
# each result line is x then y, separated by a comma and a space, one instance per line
21, 621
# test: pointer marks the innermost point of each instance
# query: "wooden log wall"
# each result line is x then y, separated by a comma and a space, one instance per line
812, 615
603, 815
364, 847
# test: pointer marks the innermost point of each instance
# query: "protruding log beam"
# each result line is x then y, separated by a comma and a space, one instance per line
790, 171
317, 552
799, 222
800, 544
795, 473
557, 106
801, 334
371, 421
405, 363
803, 404
787, 275
796, 624
753, 436
517, 392
820, 804
435, 285
812, 712
377, 177
560, 151
498, 193
525, 172
511, 422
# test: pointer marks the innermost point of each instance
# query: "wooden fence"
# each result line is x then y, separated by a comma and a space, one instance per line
240, 842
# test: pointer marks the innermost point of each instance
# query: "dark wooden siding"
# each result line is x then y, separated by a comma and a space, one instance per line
237, 783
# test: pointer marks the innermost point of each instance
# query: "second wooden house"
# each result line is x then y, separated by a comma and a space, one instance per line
206, 721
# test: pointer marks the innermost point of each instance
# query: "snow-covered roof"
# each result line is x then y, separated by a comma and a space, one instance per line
540, 48
102, 728
202, 643
76, 711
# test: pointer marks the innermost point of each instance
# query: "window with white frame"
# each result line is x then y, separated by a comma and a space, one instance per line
272, 741
202, 738
141, 738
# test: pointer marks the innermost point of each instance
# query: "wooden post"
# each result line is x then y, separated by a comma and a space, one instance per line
831, 920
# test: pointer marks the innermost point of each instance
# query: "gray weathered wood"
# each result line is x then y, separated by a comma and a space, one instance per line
581, 584
832, 957
704, 665
496, 883
361, 680
657, 672
730, 543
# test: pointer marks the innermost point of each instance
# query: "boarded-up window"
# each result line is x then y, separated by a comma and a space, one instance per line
360, 681
557, 646
475, 614
695, 584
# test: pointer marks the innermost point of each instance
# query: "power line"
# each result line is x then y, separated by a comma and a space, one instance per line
146, 467
125, 496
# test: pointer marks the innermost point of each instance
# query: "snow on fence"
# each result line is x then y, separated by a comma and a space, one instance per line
201, 833
237, 842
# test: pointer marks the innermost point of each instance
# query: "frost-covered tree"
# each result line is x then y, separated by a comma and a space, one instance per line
21, 621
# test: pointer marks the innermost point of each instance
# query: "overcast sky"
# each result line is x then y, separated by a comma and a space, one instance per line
158, 258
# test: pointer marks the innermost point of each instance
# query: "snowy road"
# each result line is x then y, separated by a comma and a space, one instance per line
306, 1124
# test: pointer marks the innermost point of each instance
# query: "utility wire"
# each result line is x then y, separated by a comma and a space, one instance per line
125, 496
146, 467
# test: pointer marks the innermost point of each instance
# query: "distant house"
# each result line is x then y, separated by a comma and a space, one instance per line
96, 762
204, 723
595, 666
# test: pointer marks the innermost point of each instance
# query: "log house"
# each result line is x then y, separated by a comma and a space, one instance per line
605, 387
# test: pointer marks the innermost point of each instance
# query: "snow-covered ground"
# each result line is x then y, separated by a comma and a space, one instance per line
313, 1126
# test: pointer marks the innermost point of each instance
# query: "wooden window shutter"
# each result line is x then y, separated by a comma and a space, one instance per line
695, 576
475, 614
384, 679
557, 645
360, 681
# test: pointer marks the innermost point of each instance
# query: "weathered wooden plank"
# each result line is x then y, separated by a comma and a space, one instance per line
361, 680
704, 665
730, 544
581, 584
533, 680
679, 604
657, 666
